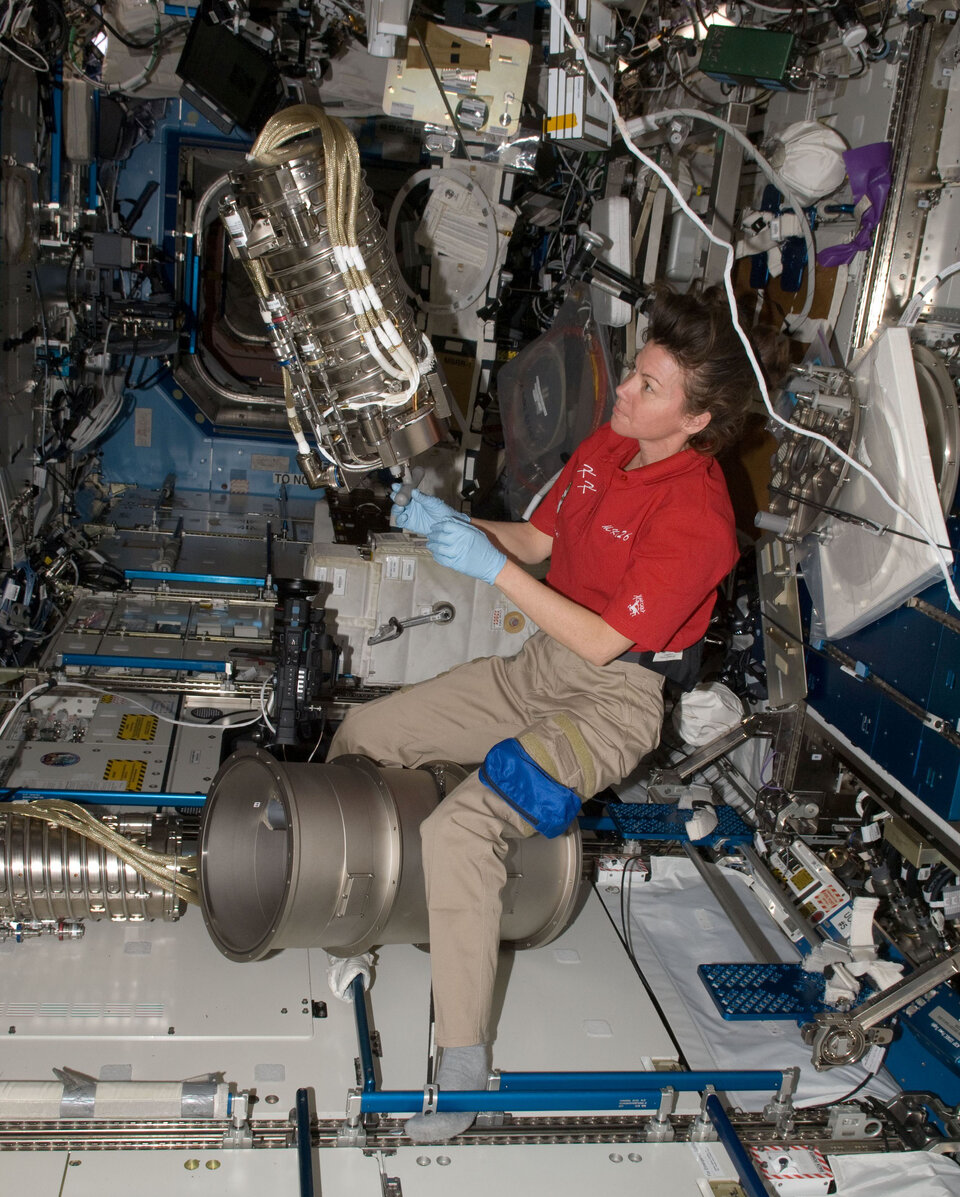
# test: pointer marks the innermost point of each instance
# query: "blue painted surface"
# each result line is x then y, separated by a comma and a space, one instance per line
572, 1091
685, 1082
56, 137
925, 1055
108, 661
200, 460
364, 1045
921, 659
658, 821
765, 991
181, 439
109, 797
205, 579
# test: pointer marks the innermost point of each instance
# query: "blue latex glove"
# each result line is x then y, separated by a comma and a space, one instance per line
463, 547
422, 512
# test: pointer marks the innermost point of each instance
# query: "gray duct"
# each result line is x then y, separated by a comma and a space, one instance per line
328, 856
360, 386
49, 872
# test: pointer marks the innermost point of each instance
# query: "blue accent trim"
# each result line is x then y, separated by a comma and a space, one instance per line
411, 1101
56, 137
545, 803
92, 171
204, 579
363, 1035
683, 1082
109, 797
600, 1091
596, 823
750, 1178
111, 661
304, 1144
659, 821
194, 297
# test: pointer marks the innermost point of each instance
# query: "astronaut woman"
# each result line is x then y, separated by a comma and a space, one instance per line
640, 531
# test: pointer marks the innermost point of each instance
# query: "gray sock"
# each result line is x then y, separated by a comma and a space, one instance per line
460, 1068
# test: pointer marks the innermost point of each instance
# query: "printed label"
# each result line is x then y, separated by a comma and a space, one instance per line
130, 773
138, 727
143, 427
267, 461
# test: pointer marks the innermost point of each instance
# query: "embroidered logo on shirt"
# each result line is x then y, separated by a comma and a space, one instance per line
585, 484
636, 607
616, 533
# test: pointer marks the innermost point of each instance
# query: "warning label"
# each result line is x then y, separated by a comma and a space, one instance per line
138, 727
130, 773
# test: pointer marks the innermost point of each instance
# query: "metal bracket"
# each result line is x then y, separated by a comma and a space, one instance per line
430, 1095
909, 1112
779, 1110
850, 1122
491, 1118
351, 1132
702, 1129
844, 1038
660, 1128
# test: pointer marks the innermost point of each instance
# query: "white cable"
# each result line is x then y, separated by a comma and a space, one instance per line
734, 314
7, 523
19, 703
263, 709
538, 497
120, 697
44, 69
911, 313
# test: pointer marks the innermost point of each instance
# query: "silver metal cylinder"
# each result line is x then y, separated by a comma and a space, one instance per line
276, 216
328, 856
48, 872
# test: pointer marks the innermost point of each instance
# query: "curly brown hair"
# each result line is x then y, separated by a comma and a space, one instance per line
696, 330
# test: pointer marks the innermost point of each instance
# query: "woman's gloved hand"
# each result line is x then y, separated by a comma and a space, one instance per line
466, 549
421, 512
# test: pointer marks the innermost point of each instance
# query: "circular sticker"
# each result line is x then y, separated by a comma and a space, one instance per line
513, 621
59, 759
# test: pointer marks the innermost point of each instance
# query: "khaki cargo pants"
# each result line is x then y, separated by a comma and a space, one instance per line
587, 725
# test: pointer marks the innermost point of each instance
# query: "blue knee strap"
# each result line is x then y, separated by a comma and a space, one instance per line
511, 772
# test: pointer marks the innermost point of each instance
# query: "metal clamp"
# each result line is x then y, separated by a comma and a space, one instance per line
702, 1129
660, 1128
430, 1095
779, 1110
491, 1118
351, 1132
844, 1038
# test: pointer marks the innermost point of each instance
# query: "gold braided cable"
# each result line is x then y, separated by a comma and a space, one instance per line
169, 871
300, 120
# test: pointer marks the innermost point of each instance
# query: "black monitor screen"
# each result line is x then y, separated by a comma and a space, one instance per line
237, 77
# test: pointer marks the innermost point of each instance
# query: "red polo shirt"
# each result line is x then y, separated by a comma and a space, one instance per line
645, 548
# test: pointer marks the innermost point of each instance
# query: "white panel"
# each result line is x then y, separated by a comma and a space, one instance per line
611, 218
138, 980
856, 576
616, 1170
183, 1173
